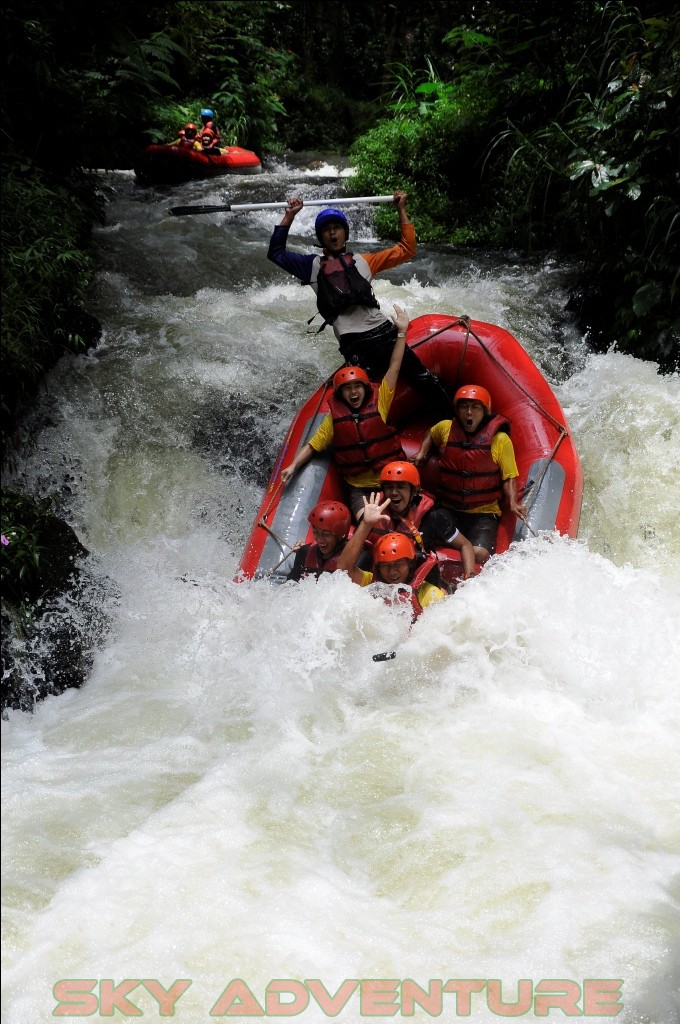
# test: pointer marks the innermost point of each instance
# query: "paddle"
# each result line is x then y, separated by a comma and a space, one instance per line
183, 211
401, 589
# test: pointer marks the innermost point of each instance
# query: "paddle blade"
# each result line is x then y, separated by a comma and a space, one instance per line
385, 656
184, 211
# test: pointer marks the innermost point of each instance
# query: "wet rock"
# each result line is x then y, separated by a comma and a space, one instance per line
53, 620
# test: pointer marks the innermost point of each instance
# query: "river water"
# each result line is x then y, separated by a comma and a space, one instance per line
239, 791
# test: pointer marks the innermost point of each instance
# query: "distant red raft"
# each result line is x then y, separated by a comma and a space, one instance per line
170, 165
459, 351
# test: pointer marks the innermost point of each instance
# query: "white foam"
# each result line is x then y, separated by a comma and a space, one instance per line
239, 790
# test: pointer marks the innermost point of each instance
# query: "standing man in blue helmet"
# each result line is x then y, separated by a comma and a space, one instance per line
345, 298
209, 124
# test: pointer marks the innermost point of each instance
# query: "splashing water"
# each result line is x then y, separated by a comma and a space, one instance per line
239, 790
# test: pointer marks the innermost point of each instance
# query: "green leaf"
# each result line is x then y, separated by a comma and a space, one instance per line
428, 88
578, 169
646, 297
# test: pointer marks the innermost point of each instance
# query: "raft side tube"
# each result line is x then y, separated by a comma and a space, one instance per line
290, 520
543, 501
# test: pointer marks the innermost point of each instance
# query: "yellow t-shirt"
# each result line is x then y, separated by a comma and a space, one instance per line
427, 592
323, 438
502, 453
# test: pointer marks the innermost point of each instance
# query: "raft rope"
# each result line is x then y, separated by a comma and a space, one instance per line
562, 430
465, 321
263, 518
460, 321
279, 564
282, 543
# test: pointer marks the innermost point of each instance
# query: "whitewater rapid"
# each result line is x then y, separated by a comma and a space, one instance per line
239, 791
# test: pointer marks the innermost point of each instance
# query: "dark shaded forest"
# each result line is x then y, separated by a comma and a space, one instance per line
530, 126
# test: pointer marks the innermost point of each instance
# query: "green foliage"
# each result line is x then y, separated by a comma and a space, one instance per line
552, 136
436, 158
84, 93
21, 519
322, 118
46, 269
69, 100
234, 71
613, 149
527, 125
411, 93
169, 118
252, 106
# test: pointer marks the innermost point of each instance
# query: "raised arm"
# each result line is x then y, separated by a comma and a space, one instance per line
373, 513
401, 319
405, 248
400, 199
294, 263
291, 211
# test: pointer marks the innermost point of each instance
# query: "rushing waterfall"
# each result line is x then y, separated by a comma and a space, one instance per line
239, 791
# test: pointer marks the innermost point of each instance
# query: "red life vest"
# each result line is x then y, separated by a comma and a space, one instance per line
468, 474
210, 126
408, 524
314, 563
361, 438
340, 286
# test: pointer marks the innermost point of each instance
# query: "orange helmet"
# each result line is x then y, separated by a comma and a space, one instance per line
332, 516
190, 128
207, 137
392, 547
348, 374
400, 472
474, 393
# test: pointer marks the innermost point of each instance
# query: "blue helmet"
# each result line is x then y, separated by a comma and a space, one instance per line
207, 112
327, 215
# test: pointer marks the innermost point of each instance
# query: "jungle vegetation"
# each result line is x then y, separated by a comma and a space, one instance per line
524, 127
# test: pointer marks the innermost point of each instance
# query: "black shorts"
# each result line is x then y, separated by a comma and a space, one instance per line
371, 350
480, 528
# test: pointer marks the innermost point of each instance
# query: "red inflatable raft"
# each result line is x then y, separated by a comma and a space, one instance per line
459, 351
170, 165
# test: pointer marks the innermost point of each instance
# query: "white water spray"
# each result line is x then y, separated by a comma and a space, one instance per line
239, 790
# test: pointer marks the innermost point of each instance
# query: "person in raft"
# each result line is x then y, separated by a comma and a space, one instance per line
477, 469
330, 522
357, 428
187, 137
395, 560
209, 144
209, 124
408, 511
345, 298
